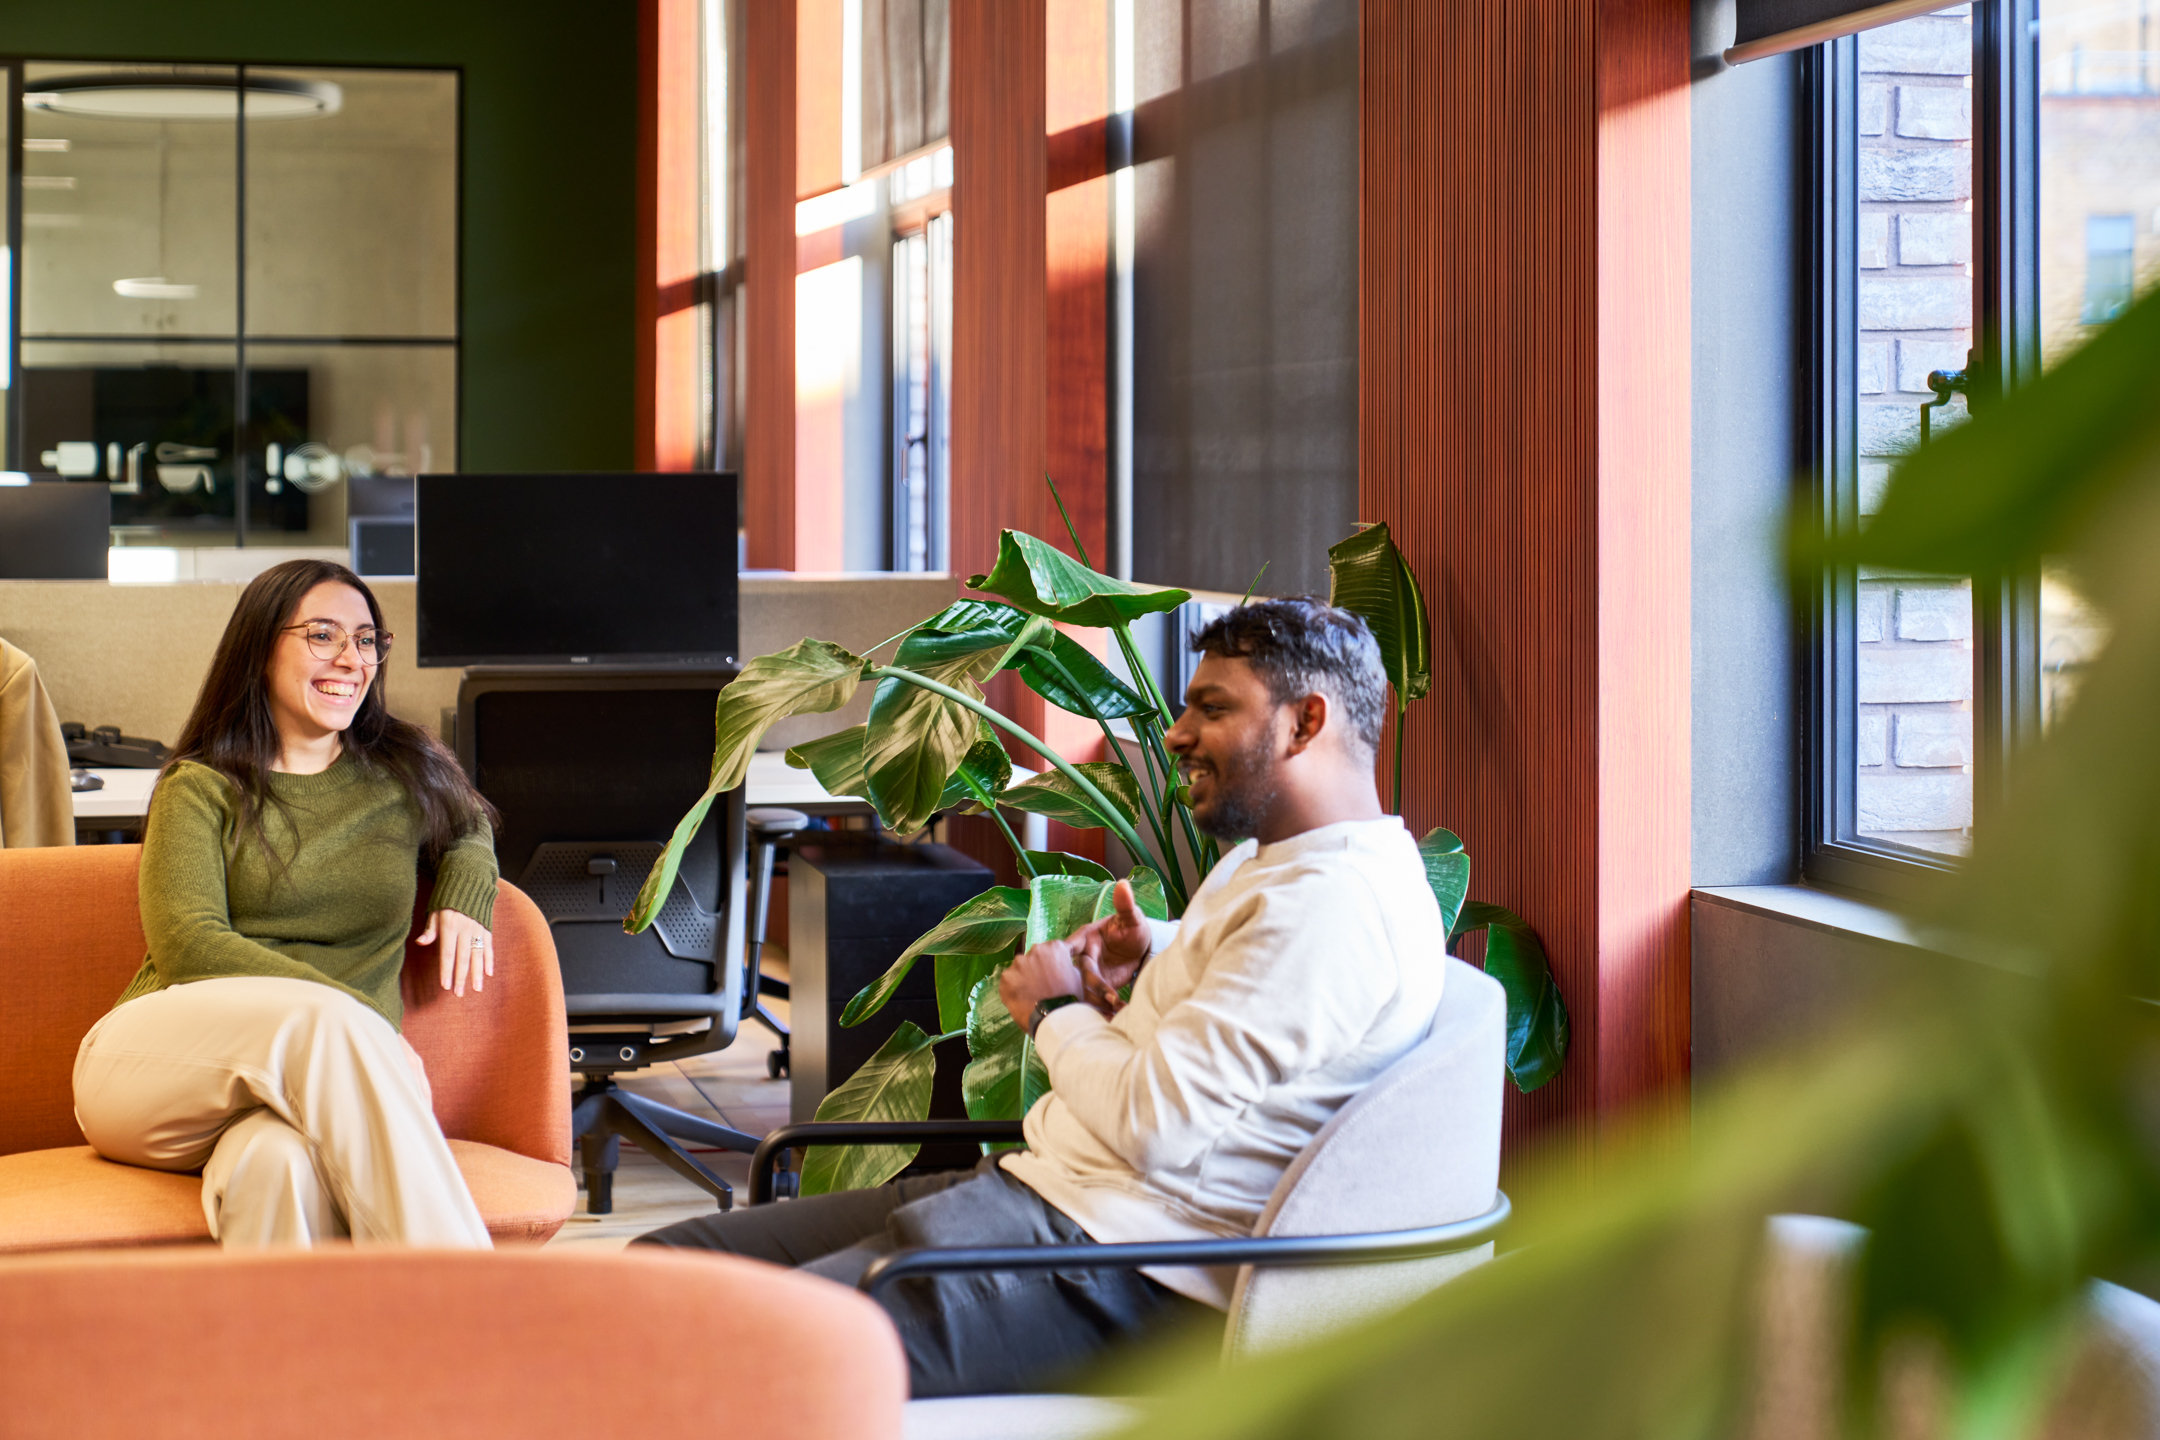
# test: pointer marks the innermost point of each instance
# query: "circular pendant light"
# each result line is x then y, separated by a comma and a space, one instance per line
180, 97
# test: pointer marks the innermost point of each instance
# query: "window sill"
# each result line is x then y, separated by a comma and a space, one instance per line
1819, 910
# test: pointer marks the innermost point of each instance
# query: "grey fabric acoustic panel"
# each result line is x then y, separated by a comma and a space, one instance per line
1245, 330
906, 77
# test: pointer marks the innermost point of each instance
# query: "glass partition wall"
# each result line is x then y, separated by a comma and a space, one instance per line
236, 292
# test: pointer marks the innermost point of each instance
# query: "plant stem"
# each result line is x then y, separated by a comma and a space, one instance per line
989, 803
1162, 839
1141, 672
1113, 819
1027, 867
1203, 855
1399, 709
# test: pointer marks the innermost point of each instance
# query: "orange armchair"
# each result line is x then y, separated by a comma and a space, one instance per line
71, 938
430, 1345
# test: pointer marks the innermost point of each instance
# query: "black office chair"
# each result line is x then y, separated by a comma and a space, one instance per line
591, 771
774, 827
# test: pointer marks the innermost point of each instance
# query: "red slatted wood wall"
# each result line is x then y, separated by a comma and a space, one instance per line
768, 209
999, 349
1523, 419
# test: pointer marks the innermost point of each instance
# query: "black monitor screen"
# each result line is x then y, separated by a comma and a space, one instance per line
55, 530
576, 569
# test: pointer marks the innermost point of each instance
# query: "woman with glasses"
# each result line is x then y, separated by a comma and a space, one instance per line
281, 858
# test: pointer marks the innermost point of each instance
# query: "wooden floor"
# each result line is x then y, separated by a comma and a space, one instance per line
728, 1087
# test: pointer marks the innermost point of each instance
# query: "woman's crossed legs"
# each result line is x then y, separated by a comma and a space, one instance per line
301, 1105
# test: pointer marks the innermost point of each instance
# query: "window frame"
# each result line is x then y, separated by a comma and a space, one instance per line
2006, 607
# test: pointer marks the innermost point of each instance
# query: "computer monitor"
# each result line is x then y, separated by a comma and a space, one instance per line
582, 569
55, 530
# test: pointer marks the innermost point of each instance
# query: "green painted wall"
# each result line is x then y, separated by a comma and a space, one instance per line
549, 240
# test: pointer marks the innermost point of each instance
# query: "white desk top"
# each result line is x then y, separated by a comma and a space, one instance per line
126, 795
772, 781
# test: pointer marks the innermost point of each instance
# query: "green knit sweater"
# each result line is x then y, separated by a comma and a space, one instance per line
338, 912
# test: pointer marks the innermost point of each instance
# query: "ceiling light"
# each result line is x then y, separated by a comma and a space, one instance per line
154, 287
48, 182
44, 146
180, 97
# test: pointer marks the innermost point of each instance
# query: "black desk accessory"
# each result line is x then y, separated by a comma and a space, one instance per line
852, 904
105, 748
55, 530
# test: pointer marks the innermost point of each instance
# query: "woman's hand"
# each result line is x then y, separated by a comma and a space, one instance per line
468, 950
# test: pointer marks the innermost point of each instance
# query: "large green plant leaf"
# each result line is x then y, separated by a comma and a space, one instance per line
893, 1084
836, 761
1447, 870
1370, 579
987, 924
917, 738
1052, 795
1043, 580
1057, 862
1006, 1077
1060, 904
957, 977
1988, 498
983, 771
1147, 893
1537, 1018
1075, 682
810, 677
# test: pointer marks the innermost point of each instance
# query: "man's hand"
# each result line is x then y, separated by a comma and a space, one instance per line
1110, 951
1041, 972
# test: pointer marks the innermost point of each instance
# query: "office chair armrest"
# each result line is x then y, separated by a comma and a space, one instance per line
1255, 1250
864, 1132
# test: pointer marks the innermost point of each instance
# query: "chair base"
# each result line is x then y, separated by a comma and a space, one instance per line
606, 1115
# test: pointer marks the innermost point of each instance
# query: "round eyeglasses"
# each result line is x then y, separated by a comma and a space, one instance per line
326, 640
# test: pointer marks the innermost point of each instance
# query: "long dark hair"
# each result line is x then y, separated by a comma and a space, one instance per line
231, 729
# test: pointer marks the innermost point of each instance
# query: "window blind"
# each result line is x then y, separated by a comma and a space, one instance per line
1772, 27
906, 68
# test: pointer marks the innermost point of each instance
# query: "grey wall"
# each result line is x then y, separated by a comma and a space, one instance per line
1778, 968
1750, 256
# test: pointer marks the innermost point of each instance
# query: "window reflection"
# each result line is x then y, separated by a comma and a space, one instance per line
231, 374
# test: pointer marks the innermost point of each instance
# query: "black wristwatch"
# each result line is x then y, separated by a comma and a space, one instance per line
1044, 1007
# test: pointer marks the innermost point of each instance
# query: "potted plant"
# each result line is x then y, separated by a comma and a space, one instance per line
932, 743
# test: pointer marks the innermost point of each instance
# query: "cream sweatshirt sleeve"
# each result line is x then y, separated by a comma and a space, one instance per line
1269, 1008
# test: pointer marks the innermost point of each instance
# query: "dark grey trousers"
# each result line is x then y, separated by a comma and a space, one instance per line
965, 1334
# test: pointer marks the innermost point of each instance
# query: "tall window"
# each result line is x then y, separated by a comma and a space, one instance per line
921, 402
1913, 633
1988, 183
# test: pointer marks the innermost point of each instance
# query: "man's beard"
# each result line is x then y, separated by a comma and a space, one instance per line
1245, 792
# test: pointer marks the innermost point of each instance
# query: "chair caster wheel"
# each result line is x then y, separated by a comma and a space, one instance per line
786, 1184
776, 1064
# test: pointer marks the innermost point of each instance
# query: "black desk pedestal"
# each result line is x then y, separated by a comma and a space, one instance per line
851, 906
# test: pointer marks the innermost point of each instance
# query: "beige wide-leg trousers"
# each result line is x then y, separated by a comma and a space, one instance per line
305, 1110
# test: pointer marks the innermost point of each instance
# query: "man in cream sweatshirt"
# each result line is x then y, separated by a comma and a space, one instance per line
1309, 960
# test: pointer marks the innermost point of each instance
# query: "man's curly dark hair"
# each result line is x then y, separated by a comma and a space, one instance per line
1306, 647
